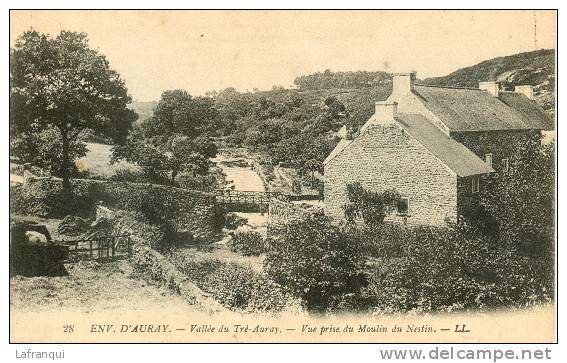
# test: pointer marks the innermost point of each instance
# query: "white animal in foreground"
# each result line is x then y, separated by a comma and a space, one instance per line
35, 237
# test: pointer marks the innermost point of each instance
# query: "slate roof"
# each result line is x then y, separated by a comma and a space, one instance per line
467, 109
528, 110
452, 153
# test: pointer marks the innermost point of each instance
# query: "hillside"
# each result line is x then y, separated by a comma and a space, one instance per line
359, 103
535, 68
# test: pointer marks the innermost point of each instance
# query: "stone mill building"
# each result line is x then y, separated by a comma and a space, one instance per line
434, 145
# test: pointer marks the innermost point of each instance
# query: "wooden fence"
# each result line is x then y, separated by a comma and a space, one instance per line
96, 248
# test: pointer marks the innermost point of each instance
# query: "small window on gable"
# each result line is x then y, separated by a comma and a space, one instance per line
403, 206
488, 159
505, 164
475, 184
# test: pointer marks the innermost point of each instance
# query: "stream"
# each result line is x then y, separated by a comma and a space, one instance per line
243, 178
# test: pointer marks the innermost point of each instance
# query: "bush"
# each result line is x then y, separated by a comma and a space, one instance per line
233, 221
316, 261
235, 139
268, 170
369, 206
43, 148
235, 286
18, 201
127, 175
159, 212
381, 241
187, 180
247, 243
72, 226
137, 225
47, 199
521, 201
18, 169
442, 269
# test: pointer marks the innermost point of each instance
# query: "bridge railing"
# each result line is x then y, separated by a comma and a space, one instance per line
245, 201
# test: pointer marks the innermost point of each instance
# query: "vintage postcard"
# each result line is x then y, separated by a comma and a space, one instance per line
282, 176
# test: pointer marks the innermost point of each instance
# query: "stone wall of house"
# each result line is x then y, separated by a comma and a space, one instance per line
187, 210
386, 157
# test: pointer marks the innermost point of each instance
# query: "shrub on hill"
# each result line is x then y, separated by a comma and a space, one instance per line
247, 243
235, 286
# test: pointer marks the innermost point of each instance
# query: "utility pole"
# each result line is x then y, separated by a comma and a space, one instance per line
535, 31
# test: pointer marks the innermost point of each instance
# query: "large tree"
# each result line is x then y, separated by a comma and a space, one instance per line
177, 112
174, 140
60, 84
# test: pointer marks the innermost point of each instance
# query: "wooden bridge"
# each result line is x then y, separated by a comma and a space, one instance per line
245, 201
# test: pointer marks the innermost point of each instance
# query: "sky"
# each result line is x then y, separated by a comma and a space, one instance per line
200, 51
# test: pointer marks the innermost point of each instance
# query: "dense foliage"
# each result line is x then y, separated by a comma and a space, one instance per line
388, 267
233, 220
174, 140
43, 149
247, 243
451, 268
284, 124
328, 79
521, 199
235, 286
315, 260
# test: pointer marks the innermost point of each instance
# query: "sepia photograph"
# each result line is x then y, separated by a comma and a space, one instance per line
282, 176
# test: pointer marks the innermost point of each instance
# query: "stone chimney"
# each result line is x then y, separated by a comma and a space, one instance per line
402, 83
385, 112
490, 86
526, 90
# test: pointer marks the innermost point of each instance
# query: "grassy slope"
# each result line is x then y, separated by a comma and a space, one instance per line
97, 161
91, 287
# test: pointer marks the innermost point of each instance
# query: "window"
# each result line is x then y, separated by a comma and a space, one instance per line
488, 159
475, 184
505, 164
403, 206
